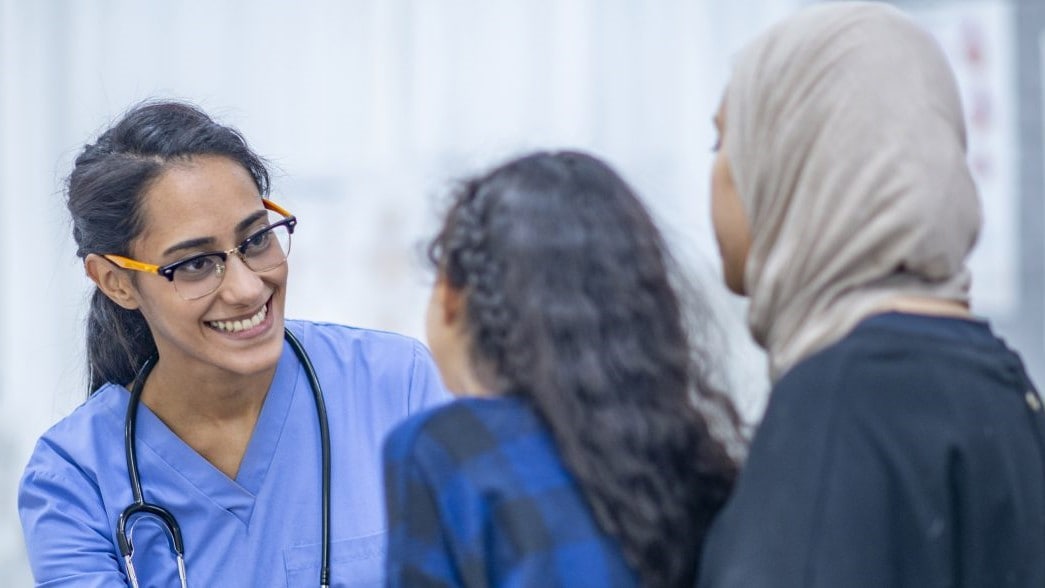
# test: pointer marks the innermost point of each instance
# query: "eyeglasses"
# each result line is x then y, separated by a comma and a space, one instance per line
196, 276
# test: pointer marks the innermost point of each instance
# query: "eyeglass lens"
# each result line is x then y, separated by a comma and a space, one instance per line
263, 250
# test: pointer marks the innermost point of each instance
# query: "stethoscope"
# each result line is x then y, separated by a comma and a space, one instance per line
170, 524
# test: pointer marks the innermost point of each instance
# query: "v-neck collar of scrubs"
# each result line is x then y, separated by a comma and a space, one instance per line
236, 496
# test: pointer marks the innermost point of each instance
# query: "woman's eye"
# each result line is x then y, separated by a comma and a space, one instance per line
257, 243
201, 266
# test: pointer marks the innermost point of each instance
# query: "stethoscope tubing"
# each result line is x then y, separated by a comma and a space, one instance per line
324, 440
170, 524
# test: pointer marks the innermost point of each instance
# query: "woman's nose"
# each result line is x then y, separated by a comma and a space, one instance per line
240, 283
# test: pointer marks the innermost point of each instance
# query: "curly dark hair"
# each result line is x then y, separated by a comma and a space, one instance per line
570, 303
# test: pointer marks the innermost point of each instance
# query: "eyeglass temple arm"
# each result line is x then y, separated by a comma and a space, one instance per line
270, 205
128, 263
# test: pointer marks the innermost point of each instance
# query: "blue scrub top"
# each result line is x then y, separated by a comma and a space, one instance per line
261, 529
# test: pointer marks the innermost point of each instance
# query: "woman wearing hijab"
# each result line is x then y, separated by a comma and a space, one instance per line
903, 441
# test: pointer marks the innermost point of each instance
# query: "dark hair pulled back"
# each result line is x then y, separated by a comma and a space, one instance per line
105, 194
570, 303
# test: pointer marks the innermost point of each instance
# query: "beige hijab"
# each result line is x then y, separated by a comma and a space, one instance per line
845, 135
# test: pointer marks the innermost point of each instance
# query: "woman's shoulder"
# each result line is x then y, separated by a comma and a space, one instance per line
78, 439
102, 413
893, 351
465, 428
370, 358
339, 335
894, 375
377, 352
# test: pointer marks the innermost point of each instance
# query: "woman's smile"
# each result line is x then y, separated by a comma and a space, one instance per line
245, 327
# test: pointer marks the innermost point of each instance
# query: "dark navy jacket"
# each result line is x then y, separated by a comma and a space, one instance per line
909, 454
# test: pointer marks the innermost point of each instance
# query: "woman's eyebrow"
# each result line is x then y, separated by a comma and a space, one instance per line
198, 242
250, 220
188, 244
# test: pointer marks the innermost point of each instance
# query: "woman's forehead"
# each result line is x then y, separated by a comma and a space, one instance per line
197, 198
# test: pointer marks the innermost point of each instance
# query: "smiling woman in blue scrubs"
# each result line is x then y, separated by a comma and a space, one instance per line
227, 437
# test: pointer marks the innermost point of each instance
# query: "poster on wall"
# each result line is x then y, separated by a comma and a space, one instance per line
978, 38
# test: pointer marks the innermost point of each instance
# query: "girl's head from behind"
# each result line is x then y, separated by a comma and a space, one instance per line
553, 251
157, 147
843, 146
554, 285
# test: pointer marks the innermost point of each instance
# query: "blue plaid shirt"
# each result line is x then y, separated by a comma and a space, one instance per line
477, 495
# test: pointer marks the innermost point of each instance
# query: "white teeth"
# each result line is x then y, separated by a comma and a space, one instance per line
243, 325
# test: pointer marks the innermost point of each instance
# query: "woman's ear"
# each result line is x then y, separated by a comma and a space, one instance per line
449, 303
112, 281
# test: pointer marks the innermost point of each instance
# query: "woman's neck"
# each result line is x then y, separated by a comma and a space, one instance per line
215, 414
194, 395
927, 306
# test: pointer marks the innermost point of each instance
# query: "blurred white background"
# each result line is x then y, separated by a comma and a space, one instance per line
369, 109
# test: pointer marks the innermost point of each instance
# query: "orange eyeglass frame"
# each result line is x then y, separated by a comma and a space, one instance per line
141, 266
